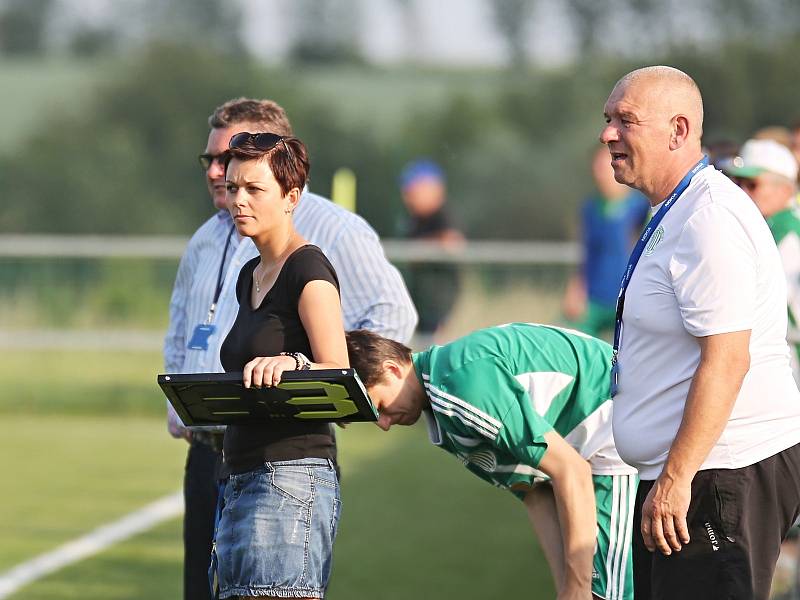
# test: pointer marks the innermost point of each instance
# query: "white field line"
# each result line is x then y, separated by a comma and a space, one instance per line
91, 543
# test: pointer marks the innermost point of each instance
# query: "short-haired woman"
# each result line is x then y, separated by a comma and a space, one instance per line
281, 502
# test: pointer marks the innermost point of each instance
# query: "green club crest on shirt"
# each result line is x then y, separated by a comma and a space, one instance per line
654, 241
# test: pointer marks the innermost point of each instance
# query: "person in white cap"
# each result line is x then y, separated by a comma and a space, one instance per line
767, 171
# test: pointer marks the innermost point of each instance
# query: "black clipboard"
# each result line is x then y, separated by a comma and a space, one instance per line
313, 396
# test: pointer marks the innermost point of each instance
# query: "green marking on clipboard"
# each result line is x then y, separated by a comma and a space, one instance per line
334, 393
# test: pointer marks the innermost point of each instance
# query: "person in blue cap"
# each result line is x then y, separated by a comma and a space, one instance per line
433, 287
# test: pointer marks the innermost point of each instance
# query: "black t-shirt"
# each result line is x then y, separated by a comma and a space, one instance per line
268, 330
430, 225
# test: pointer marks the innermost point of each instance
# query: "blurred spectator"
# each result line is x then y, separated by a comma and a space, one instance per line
434, 287
795, 140
767, 171
721, 153
776, 133
611, 219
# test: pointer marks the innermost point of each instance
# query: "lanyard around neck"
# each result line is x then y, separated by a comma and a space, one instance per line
218, 290
668, 203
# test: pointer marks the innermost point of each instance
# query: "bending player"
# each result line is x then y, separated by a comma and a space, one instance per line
525, 407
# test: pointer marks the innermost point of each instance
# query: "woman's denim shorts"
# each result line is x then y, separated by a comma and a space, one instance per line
276, 531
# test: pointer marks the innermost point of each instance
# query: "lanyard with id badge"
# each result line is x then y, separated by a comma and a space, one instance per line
203, 331
634, 260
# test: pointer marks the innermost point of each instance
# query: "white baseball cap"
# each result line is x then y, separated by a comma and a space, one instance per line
763, 156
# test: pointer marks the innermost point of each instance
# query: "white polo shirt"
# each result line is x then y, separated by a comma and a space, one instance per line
711, 267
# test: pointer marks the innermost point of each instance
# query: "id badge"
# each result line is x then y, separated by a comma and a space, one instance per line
614, 378
200, 337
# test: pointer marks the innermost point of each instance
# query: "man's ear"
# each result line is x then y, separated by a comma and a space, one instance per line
392, 368
680, 132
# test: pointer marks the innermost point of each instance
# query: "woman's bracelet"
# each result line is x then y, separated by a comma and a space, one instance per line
301, 362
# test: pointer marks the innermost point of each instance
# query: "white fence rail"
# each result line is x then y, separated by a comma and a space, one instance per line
401, 251
473, 253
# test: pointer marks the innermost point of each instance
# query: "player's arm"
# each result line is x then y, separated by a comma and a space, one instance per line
503, 410
724, 362
573, 305
573, 496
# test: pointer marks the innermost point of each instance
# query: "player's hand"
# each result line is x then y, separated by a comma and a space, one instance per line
265, 371
664, 511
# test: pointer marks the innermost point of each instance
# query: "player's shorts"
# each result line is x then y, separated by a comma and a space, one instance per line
612, 573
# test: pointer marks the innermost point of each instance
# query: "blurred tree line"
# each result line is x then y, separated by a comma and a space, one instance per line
516, 155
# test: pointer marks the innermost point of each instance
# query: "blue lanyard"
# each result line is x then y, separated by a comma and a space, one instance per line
221, 272
636, 255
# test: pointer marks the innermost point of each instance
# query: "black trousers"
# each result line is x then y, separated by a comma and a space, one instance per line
200, 497
737, 519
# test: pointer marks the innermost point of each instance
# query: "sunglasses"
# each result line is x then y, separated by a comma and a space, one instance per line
206, 160
749, 185
262, 141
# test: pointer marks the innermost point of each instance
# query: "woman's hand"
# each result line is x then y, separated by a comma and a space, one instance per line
265, 371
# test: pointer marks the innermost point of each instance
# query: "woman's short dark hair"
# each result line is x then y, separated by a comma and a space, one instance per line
367, 352
288, 160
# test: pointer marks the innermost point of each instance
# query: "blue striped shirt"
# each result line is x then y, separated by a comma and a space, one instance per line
373, 293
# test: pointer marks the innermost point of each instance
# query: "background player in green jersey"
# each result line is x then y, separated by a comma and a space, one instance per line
525, 407
767, 172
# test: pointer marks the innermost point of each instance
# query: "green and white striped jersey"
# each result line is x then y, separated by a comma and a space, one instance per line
785, 228
495, 392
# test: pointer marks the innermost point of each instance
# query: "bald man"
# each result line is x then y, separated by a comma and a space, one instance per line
705, 406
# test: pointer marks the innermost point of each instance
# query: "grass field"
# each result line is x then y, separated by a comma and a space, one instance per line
88, 445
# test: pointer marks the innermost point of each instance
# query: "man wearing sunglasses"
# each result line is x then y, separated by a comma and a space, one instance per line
204, 305
767, 172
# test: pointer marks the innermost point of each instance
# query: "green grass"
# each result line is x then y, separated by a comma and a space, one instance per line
81, 293
94, 383
415, 524
147, 566
87, 444
70, 474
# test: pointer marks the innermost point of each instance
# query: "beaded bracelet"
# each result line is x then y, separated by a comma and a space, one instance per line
301, 363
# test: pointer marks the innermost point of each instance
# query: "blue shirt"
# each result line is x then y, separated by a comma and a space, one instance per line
372, 291
609, 231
